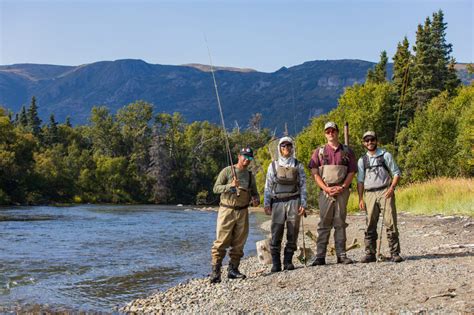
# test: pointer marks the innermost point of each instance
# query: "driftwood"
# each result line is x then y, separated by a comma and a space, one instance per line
332, 249
450, 293
263, 252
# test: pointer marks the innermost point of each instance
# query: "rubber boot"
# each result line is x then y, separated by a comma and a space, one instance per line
215, 274
343, 259
368, 258
288, 261
319, 261
234, 273
276, 262
396, 258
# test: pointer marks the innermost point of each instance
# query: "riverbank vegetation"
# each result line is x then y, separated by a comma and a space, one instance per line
422, 115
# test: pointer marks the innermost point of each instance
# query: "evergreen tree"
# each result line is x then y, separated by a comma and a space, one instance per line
445, 75
379, 74
34, 122
51, 131
68, 121
403, 108
424, 71
23, 119
401, 62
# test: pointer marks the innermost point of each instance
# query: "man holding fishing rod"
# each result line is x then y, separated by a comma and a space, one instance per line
238, 189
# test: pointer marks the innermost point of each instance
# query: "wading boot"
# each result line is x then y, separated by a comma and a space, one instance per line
368, 258
215, 274
276, 263
288, 261
319, 261
396, 258
234, 273
344, 260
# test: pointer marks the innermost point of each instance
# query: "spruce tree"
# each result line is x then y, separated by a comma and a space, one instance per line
68, 121
379, 73
403, 109
446, 75
34, 122
401, 63
23, 119
423, 87
52, 134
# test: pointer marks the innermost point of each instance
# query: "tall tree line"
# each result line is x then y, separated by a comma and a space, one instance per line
128, 157
422, 114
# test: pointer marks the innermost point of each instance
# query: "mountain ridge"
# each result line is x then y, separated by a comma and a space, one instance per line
292, 95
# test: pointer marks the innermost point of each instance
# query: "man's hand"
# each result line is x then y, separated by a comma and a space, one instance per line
389, 192
301, 210
268, 210
332, 191
235, 182
362, 205
255, 202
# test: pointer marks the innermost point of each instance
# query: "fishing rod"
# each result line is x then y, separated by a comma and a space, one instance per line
402, 100
226, 137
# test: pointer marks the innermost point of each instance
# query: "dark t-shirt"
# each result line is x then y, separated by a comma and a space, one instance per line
334, 158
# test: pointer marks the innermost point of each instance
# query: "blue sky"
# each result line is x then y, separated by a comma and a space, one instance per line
263, 35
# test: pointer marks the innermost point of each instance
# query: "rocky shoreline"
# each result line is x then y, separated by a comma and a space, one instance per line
437, 277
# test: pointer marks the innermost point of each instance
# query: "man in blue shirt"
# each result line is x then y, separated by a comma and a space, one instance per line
378, 175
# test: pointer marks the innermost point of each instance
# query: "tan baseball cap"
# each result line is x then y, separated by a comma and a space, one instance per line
369, 134
331, 124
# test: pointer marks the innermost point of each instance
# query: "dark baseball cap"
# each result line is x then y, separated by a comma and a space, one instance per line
247, 152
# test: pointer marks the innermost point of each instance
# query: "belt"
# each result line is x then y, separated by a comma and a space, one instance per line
332, 185
234, 207
376, 189
275, 200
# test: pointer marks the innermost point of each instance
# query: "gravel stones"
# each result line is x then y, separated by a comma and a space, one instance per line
432, 279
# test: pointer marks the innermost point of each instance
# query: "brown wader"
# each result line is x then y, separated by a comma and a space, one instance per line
332, 214
232, 230
333, 211
377, 203
232, 221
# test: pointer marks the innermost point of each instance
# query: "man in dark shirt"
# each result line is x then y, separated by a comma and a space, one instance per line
333, 167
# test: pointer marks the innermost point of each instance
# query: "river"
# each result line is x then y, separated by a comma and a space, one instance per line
97, 257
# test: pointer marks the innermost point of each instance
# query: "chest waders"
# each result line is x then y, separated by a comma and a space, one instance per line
332, 208
285, 202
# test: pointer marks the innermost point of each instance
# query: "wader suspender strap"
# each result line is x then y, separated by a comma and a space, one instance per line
275, 170
380, 162
324, 158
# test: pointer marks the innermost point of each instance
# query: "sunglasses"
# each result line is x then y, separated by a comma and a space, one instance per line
329, 131
370, 140
287, 145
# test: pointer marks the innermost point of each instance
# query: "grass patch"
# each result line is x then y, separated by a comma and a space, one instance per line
446, 196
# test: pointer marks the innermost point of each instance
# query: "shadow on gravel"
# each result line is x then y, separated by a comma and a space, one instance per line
438, 256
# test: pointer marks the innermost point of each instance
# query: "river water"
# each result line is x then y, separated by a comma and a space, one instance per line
97, 257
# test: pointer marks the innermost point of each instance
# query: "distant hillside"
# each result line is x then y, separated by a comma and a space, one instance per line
291, 95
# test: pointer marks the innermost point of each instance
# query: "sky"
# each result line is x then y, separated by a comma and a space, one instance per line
260, 34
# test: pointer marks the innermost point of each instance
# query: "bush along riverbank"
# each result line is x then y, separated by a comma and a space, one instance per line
436, 277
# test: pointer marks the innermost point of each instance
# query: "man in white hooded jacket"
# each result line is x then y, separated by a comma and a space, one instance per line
285, 200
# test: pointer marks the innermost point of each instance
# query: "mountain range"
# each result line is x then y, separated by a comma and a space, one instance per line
289, 95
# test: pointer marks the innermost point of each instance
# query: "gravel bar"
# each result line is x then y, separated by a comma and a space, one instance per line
437, 277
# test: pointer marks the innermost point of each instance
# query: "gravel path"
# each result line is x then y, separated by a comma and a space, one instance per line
434, 278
